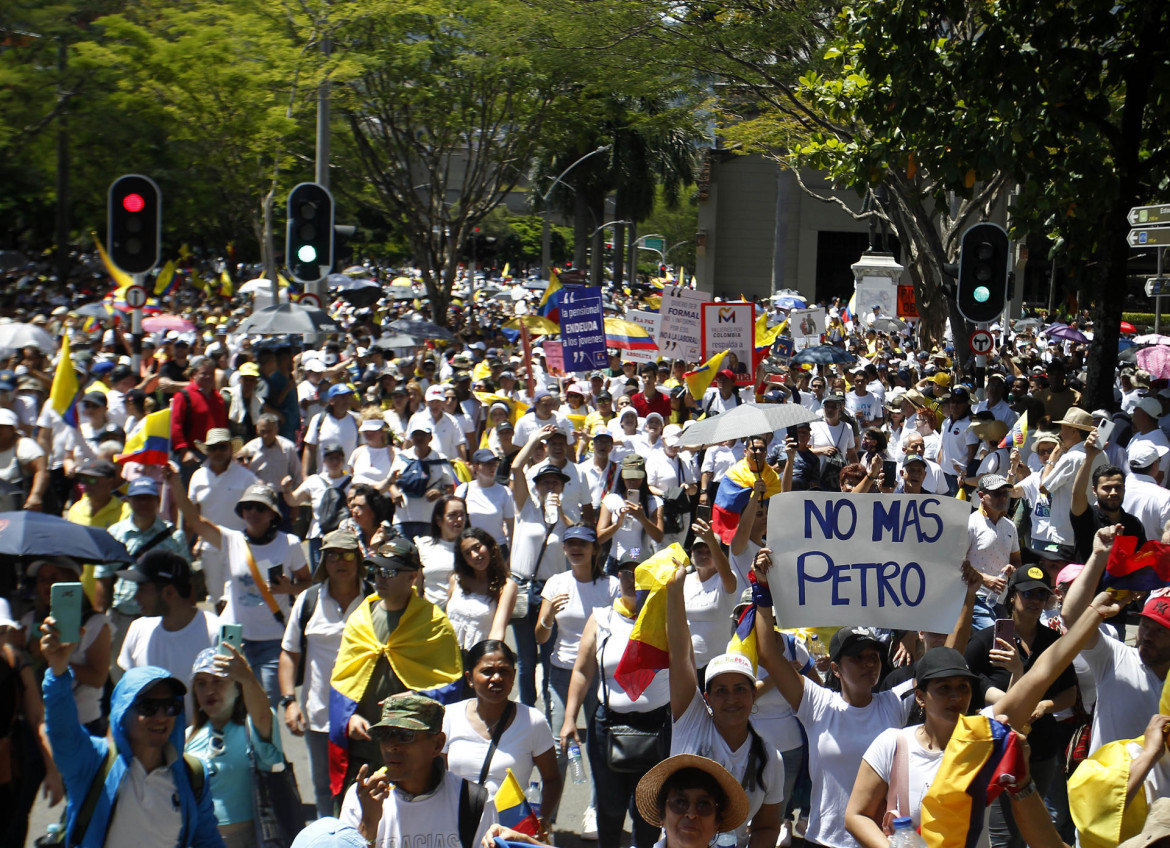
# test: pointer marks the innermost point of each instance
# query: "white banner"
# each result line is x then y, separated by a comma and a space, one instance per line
648, 321
731, 326
680, 323
863, 559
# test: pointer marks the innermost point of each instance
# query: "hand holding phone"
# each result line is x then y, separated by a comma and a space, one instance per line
1005, 628
230, 634
65, 608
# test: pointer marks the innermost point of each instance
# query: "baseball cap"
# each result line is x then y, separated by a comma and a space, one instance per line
314, 366
730, 663
1150, 406
484, 455
372, 425
505, 427
329, 832
340, 390
1144, 453
671, 435
550, 469
941, 662
725, 372
162, 567
332, 447
142, 486
8, 418
94, 397
97, 468
1069, 573
993, 483
580, 532
249, 369
961, 393
1031, 577
913, 459
434, 393
259, 493
849, 640
205, 664
340, 540
395, 553
421, 425
410, 711
1157, 609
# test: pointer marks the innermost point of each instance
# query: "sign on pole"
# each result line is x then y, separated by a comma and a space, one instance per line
648, 321
806, 327
871, 560
1156, 237
1157, 286
554, 358
731, 327
981, 342
679, 329
907, 305
1148, 215
135, 297
583, 329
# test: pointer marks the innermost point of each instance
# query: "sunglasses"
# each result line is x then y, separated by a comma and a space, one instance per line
88, 481
345, 556
253, 507
1035, 594
681, 806
391, 573
403, 735
148, 707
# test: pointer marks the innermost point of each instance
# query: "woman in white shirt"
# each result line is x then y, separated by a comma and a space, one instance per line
480, 597
437, 551
710, 592
630, 515
524, 739
371, 461
943, 691
489, 503
333, 475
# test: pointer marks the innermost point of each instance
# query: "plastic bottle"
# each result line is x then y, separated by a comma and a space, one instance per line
533, 796
52, 836
576, 767
905, 836
552, 511
726, 839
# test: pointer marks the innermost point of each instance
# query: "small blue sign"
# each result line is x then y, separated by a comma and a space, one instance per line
583, 329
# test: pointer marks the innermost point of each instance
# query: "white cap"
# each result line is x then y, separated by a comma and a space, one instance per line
733, 663
315, 366
671, 434
1144, 453
8, 418
435, 393
372, 425
1150, 406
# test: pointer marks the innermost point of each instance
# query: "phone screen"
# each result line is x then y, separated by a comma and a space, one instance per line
889, 472
1005, 629
65, 607
274, 573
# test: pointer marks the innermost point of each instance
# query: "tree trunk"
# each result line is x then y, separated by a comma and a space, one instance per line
619, 255
580, 228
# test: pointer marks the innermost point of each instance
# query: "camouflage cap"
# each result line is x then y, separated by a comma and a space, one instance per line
345, 540
411, 712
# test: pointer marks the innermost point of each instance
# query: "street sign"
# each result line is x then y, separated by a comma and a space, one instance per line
1149, 215
135, 297
653, 243
1155, 237
310, 299
1157, 286
583, 329
981, 342
907, 305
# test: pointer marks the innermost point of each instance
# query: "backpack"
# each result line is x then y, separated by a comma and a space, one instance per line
414, 479
472, 800
334, 507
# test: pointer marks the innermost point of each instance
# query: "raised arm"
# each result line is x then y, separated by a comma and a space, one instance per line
192, 520
702, 530
519, 481
780, 670
1085, 586
1080, 497
961, 634
747, 519
684, 680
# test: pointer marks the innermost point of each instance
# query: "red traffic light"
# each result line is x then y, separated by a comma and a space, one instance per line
133, 203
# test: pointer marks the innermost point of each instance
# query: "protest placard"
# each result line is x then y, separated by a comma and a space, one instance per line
582, 329
876, 560
648, 321
554, 358
731, 327
806, 326
679, 329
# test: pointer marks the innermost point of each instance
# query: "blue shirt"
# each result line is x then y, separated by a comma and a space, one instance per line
229, 768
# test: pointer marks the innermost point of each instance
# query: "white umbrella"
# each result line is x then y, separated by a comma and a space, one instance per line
346, 283
747, 419
256, 285
18, 336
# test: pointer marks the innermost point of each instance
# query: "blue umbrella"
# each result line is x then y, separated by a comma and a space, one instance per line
824, 354
25, 533
788, 301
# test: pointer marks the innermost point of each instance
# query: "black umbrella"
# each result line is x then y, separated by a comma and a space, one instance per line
26, 533
364, 296
422, 329
288, 319
824, 355
391, 341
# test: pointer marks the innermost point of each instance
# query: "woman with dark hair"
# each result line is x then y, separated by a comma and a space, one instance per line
437, 551
873, 443
630, 515
370, 517
693, 799
523, 738
480, 597
232, 726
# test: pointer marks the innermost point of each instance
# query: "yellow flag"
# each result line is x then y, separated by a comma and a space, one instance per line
63, 394
197, 281
121, 278
507, 269
699, 380
226, 288
163, 281
554, 285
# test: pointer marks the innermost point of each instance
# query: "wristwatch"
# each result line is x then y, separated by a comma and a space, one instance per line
1026, 791
285, 700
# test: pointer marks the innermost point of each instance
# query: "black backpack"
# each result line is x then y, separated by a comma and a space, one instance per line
334, 507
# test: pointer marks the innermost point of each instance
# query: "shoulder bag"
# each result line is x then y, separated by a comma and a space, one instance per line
634, 742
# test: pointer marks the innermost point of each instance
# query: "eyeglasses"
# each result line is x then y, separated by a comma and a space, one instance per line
219, 446
391, 573
87, 481
680, 806
1035, 594
403, 735
345, 556
148, 707
252, 507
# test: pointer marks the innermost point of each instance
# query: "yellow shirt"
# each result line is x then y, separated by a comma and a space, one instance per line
82, 513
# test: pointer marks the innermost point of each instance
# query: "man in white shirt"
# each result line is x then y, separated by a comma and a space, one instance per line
215, 488
996, 403
599, 472
993, 548
449, 439
1144, 497
336, 424
414, 799
722, 396
576, 502
413, 517
543, 413
1060, 472
1145, 429
861, 403
308, 390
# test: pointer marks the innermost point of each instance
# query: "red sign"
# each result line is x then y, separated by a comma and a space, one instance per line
907, 307
981, 342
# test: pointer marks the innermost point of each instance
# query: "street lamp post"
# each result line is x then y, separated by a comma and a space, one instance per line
546, 233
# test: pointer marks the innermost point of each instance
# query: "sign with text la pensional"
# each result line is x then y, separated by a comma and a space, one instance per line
867, 559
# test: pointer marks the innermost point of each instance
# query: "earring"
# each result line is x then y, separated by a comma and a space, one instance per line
755, 709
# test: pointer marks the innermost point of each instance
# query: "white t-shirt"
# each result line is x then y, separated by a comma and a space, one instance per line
322, 642
990, 545
424, 820
774, 718
525, 739
867, 408
216, 496
317, 485
613, 634
446, 434
719, 459
1133, 691
631, 539
530, 534
148, 643
371, 465
573, 496
65, 438
439, 476
438, 562
839, 435
708, 614
922, 766
488, 507
584, 598
245, 605
695, 733
471, 615
324, 428
839, 735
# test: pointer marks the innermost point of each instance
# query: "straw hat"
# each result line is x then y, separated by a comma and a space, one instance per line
649, 787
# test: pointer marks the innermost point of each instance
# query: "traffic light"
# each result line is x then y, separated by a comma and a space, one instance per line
983, 273
308, 246
134, 223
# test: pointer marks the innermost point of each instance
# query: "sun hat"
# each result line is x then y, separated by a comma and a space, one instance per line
650, 787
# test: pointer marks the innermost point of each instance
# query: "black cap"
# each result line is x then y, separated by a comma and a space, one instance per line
398, 552
941, 662
551, 470
484, 455
1029, 577
161, 567
847, 639
97, 468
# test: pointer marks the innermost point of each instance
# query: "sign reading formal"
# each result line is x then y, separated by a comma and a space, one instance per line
680, 325
582, 329
861, 559
732, 327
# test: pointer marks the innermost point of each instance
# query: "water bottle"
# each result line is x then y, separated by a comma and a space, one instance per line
533, 796
54, 836
726, 839
576, 767
552, 513
905, 836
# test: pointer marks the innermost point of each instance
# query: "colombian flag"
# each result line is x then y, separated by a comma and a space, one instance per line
735, 489
513, 809
65, 391
699, 380
982, 753
164, 283
743, 640
1137, 571
647, 652
1018, 434
550, 303
849, 313
626, 335
150, 444
422, 651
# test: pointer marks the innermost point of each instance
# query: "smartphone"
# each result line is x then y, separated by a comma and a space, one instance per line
792, 432
274, 572
1005, 629
889, 473
231, 634
65, 607
1104, 432
703, 511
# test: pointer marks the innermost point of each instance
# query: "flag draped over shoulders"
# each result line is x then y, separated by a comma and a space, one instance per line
422, 651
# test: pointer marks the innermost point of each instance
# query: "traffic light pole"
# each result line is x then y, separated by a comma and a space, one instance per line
136, 332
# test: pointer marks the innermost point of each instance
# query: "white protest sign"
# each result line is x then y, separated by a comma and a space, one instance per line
863, 559
680, 323
648, 321
554, 358
806, 326
731, 327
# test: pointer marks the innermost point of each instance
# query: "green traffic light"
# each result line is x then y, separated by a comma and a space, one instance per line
308, 253
981, 294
